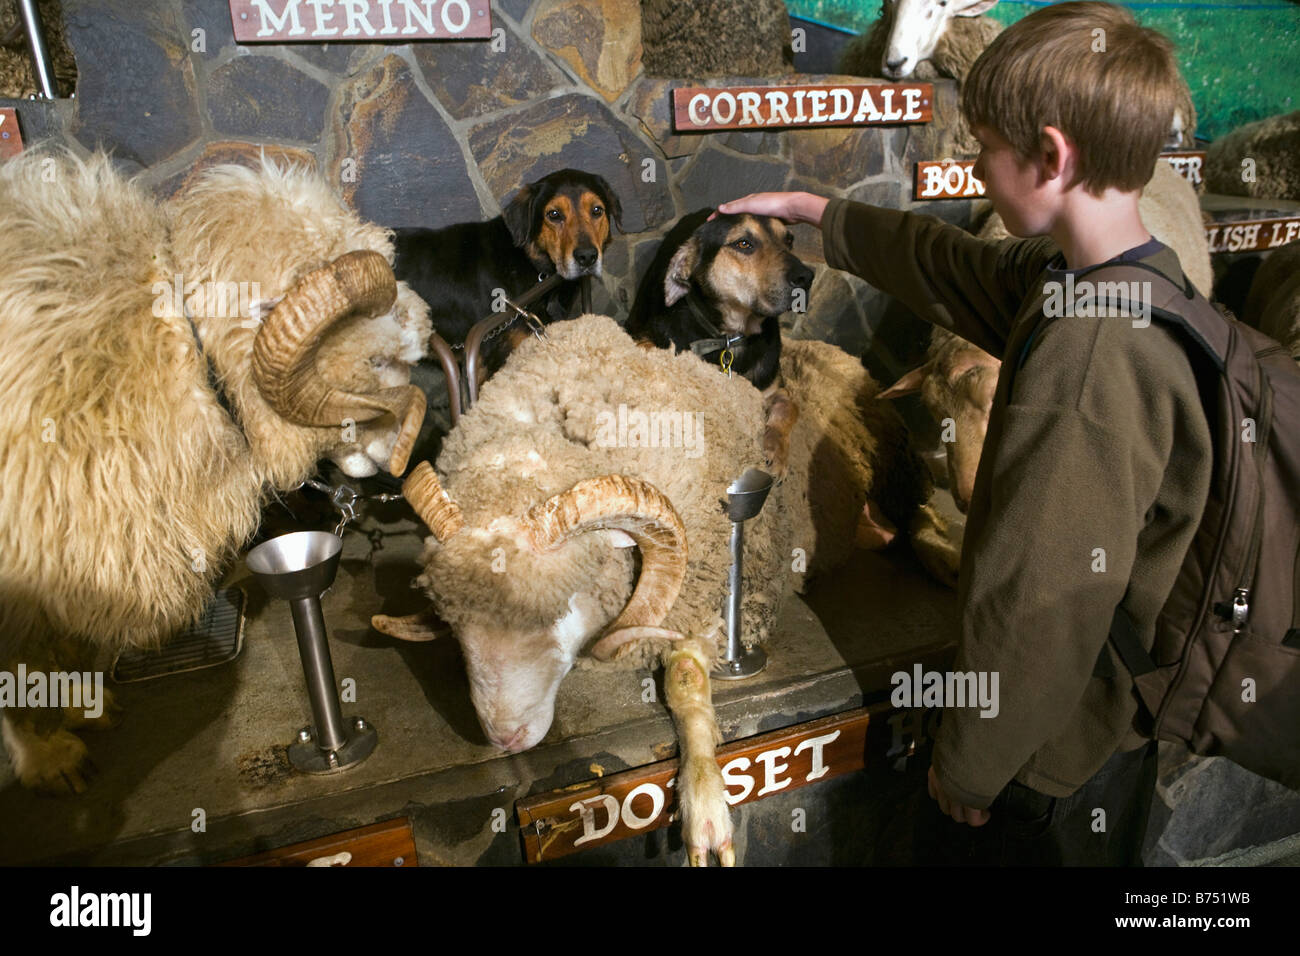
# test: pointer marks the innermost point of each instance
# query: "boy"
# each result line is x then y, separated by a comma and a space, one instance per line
1095, 469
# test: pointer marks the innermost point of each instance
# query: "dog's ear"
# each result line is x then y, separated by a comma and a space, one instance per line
518, 215
677, 281
612, 205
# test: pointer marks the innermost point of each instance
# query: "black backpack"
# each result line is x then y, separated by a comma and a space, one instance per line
1223, 674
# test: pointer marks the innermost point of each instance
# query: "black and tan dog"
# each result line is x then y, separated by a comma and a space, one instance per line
718, 288
558, 224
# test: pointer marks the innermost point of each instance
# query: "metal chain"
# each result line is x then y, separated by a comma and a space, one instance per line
345, 498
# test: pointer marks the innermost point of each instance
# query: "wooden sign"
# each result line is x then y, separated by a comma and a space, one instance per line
11, 140
636, 801
1252, 235
1188, 164
778, 107
333, 21
948, 179
390, 843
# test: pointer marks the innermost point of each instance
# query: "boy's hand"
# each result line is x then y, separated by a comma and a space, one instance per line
791, 207
959, 812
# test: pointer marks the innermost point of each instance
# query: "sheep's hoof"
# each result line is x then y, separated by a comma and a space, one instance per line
74, 718
58, 764
706, 818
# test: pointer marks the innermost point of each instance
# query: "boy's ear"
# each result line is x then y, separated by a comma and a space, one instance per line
975, 8
907, 385
677, 282
518, 215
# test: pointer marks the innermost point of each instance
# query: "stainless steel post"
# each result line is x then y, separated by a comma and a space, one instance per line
745, 498
40, 53
318, 668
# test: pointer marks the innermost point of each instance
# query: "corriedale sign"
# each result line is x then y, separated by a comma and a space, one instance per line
571, 819
697, 108
332, 21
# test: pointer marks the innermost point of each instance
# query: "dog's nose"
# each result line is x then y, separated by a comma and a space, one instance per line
800, 276
586, 256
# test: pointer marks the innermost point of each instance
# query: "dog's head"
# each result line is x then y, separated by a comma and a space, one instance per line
563, 221
742, 264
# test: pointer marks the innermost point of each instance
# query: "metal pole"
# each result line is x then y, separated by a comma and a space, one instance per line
40, 53
734, 576
326, 714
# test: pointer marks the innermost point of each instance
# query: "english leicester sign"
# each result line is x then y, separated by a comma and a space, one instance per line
781, 107
331, 21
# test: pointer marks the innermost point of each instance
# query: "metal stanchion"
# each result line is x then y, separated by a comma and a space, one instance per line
40, 53
745, 498
298, 568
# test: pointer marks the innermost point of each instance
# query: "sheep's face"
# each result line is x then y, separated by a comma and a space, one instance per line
963, 391
368, 355
918, 27
522, 617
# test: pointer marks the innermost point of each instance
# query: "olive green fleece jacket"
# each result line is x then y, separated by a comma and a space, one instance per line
1097, 456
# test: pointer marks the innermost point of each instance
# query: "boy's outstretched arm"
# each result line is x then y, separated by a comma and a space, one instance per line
946, 276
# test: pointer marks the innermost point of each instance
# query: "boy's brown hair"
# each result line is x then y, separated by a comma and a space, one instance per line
1090, 70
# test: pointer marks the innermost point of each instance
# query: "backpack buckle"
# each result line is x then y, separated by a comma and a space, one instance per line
1240, 608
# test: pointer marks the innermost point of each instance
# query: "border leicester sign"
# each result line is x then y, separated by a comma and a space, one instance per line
696, 108
564, 821
332, 21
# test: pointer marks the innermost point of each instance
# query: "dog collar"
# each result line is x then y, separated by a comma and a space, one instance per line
716, 340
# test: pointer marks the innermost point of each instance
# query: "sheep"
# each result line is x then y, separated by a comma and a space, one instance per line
550, 452
1267, 150
933, 38
125, 485
957, 379
1273, 305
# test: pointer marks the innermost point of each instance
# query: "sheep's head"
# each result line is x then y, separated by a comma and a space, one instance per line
957, 383
326, 370
918, 26
525, 594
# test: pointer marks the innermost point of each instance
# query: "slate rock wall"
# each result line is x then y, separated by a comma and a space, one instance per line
439, 132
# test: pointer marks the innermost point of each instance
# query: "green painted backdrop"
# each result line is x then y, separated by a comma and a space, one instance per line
1241, 58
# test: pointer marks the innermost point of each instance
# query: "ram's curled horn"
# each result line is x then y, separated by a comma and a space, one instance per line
435, 508
640, 510
284, 352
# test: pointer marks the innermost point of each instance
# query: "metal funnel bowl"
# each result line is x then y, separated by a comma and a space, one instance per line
296, 565
747, 493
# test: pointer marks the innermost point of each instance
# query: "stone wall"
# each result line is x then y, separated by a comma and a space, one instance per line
439, 132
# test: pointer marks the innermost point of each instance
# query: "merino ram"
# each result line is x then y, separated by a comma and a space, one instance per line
585, 445
125, 485
958, 378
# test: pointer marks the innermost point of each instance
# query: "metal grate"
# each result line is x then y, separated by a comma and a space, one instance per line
217, 638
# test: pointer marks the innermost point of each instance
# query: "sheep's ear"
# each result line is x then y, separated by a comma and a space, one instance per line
907, 385
518, 216
678, 280
976, 8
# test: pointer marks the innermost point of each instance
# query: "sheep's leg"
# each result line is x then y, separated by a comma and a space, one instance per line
782, 413
874, 530
45, 756
701, 796
933, 546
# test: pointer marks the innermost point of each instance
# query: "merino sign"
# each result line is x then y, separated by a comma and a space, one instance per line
777, 107
329, 21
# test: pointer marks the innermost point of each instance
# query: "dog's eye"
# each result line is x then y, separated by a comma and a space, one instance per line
789, 240
555, 215
744, 245
597, 212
